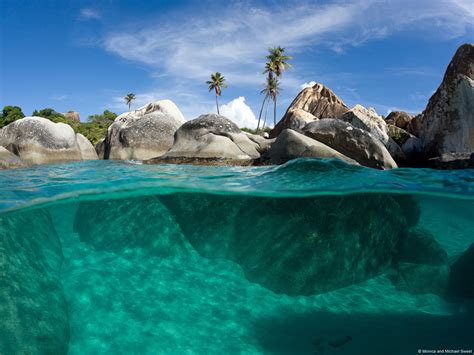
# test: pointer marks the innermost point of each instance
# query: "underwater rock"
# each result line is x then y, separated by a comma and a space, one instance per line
422, 279
33, 311
117, 225
296, 246
143, 133
352, 142
461, 281
419, 246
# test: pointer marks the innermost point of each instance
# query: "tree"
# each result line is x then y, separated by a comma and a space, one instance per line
105, 118
129, 98
276, 65
50, 114
10, 114
216, 83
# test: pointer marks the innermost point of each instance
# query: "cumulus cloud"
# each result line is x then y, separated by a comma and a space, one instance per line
307, 85
89, 14
239, 112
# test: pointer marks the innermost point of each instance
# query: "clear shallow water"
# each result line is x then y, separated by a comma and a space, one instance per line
181, 259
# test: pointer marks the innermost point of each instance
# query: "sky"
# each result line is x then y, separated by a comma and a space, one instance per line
86, 56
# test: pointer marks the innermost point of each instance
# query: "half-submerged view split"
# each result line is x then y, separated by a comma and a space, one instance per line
217, 215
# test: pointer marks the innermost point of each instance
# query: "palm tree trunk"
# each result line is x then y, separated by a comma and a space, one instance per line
261, 110
129, 104
266, 111
274, 111
217, 105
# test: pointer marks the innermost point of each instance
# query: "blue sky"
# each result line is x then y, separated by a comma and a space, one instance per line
86, 55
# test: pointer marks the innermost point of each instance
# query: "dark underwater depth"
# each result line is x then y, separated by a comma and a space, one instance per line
312, 257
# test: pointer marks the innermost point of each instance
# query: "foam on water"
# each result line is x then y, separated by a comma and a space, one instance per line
123, 298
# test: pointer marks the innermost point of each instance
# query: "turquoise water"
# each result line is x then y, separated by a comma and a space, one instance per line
122, 258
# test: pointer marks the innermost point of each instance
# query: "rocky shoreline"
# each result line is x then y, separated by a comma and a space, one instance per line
317, 124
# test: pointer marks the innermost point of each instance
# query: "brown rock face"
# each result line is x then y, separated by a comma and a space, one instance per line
399, 119
448, 120
318, 101
72, 115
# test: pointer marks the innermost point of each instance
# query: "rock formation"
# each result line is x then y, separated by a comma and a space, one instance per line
9, 160
461, 283
144, 133
291, 145
399, 119
369, 121
447, 125
37, 140
73, 116
311, 103
210, 139
33, 311
352, 142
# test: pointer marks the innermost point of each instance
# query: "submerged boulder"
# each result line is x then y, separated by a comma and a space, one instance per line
422, 279
420, 247
106, 225
37, 140
352, 142
448, 120
33, 310
296, 246
291, 145
461, 282
311, 103
210, 139
144, 133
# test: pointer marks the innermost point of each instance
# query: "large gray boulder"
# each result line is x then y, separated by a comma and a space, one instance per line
291, 145
37, 140
370, 121
312, 103
33, 310
144, 133
352, 142
86, 148
448, 120
9, 160
210, 139
461, 283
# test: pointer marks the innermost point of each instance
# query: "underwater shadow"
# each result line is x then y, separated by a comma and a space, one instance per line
325, 332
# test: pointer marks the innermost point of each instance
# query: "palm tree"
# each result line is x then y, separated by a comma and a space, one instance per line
216, 83
271, 91
276, 65
129, 98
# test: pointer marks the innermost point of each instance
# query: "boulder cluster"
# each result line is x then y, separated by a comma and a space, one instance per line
317, 124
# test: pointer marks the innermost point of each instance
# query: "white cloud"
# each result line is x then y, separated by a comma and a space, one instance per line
235, 43
307, 85
89, 14
59, 97
239, 112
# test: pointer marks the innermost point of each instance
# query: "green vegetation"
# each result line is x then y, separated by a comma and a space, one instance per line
254, 131
216, 83
94, 129
10, 114
129, 98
